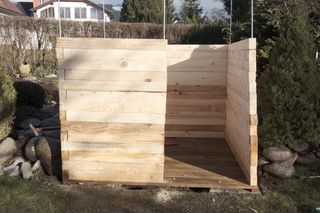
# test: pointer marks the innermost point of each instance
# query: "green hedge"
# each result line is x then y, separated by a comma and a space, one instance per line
7, 104
18, 34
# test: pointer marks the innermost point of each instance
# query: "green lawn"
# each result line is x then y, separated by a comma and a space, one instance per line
47, 195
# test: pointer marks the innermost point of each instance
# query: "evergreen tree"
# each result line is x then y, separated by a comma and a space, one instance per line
241, 10
288, 88
150, 11
191, 12
170, 12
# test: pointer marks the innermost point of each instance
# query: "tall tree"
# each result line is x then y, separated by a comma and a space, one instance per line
288, 88
191, 12
150, 11
240, 9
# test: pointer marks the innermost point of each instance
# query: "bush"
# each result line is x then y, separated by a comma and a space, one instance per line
288, 90
29, 94
7, 104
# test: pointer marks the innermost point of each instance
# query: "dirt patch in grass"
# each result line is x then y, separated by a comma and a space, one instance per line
48, 195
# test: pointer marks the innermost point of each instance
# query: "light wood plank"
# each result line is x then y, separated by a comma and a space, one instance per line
115, 117
156, 148
112, 86
135, 102
118, 157
118, 76
124, 137
197, 78
136, 172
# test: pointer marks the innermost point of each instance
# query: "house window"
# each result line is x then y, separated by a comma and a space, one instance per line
43, 13
96, 14
80, 13
65, 12
50, 12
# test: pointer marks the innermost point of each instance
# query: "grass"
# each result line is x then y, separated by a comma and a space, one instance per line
48, 195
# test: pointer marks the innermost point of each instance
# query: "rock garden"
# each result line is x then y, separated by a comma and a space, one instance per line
30, 136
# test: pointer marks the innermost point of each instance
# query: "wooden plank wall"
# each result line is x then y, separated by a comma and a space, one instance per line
197, 79
112, 106
241, 116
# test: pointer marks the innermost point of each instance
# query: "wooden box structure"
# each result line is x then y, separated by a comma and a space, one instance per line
121, 99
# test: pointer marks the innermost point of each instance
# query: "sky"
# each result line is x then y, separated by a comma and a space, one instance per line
208, 5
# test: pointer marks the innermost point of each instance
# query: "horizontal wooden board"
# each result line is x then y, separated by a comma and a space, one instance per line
192, 102
121, 65
197, 65
218, 107
186, 53
114, 43
109, 55
135, 102
118, 157
247, 44
199, 128
209, 120
197, 78
156, 148
96, 127
101, 171
196, 88
196, 95
194, 134
124, 137
114, 117
118, 76
198, 48
112, 86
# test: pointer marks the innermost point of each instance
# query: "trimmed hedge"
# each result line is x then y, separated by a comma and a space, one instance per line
33, 40
7, 104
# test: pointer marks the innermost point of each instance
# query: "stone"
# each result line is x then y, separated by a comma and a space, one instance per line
28, 133
284, 169
30, 78
299, 147
262, 162
25, 123
36, 166
51, 76
8, 149
30, 149
277, 154
13, 171
26, 170
48, 151
53, 121
25, 69
310, 159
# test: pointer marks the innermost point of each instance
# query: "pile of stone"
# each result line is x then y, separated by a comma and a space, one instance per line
279, 161
35, 146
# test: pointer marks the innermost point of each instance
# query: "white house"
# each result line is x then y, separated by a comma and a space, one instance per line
75, 10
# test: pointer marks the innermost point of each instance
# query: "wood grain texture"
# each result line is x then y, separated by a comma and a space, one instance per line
94, 101
113, 101
197, 80
241, 107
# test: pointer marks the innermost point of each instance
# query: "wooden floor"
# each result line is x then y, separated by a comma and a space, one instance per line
207, 163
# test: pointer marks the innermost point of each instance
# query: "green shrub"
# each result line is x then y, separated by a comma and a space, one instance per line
289, 88
7, 104
29, 94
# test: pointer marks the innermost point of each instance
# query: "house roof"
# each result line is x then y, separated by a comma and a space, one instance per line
109, 12
25, 7
9, 8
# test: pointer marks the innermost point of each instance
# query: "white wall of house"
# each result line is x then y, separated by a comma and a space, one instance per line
72, 6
